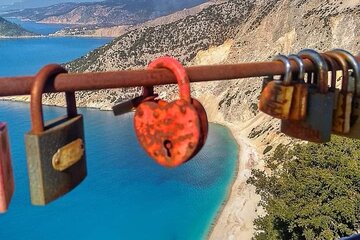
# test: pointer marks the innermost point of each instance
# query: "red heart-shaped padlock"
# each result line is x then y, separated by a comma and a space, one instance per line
169, 132
172, 133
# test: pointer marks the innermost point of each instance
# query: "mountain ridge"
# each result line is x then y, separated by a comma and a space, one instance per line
105, 13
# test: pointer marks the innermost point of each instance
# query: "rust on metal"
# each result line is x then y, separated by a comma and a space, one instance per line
301, 130
41, 79
6, 172
275, 100
299, 102
167, 131
68, 155
342, 112
12, 86
204, 123
171, 133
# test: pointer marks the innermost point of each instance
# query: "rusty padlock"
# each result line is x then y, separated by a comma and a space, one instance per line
300, 94
55, 150
6, 171
354, 83
299, 102
276, 97
172, 133
316, 127
342, 112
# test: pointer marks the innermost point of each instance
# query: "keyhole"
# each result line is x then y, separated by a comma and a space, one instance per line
168, 146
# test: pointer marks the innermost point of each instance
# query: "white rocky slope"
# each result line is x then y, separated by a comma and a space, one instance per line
239, 31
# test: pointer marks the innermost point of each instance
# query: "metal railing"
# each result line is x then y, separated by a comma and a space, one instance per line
11, 86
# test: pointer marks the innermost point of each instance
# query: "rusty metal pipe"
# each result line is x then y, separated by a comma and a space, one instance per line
11, 86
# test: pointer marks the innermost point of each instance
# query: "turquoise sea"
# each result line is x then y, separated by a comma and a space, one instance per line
126, 195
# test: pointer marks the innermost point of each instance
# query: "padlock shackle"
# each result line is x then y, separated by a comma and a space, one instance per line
288, 73
344, 68
43, 78
322, 68
178, 70
351, 60
299, 61
332, 63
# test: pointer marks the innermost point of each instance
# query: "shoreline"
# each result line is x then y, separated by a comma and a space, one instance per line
235, 218
215, 220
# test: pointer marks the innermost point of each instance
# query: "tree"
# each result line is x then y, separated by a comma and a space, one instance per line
312, 192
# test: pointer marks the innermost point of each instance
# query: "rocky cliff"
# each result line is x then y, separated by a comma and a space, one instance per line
230, 32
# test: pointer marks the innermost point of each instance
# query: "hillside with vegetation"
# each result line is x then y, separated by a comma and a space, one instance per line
104, 13
310, 192
9, 29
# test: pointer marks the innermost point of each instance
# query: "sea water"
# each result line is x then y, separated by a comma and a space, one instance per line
39, 28
27, 56
126, 195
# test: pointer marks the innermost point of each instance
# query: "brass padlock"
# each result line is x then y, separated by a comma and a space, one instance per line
354, 83
276, 97
300, 94
316, 127
299, 101
55, 150
6, 171
342, 112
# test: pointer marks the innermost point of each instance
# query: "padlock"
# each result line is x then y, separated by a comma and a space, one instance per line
300, 94
6, 171
172, 133
342, 113
299, 102
333, 73
354, 83
276, 97
55, 150
316, 127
